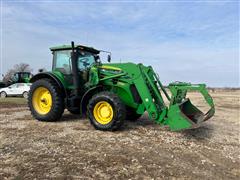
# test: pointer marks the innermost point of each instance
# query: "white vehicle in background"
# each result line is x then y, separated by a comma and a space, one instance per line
18, 89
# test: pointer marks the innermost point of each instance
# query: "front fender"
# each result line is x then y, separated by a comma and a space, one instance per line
87, 96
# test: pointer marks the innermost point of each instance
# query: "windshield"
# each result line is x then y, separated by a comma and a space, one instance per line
13, 86
85, 60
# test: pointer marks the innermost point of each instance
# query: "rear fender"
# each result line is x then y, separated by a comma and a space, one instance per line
48, 75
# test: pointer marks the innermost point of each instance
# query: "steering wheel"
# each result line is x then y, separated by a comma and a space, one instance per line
84, 61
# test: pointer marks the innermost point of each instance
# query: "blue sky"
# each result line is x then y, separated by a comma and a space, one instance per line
184, 41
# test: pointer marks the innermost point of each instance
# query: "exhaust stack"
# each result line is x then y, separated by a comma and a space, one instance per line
76, 79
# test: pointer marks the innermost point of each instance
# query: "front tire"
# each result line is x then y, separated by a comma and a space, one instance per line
25, 95
45, 100
106, 111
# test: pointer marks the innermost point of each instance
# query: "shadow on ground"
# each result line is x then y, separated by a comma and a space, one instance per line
201, 133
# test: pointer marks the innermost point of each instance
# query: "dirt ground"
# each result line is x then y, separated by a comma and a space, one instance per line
73, 149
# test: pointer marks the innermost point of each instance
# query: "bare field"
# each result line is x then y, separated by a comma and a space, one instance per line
73, 149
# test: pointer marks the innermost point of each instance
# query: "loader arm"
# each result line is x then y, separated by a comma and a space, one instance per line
181, 113
150, 94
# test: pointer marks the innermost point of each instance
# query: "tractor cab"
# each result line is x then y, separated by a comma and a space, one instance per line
85, 57
21, 77
62, 58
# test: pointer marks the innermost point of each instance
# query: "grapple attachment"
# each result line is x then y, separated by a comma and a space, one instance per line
182, 114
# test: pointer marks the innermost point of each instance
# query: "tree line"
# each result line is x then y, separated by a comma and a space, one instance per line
21, 67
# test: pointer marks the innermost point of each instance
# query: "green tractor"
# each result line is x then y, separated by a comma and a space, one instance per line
17, 77
110, 93
21, 77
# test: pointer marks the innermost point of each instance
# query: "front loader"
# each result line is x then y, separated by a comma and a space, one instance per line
109, 93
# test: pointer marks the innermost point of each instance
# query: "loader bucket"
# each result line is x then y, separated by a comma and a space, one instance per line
185, 115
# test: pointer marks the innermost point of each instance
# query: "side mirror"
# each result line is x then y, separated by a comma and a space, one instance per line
109, 58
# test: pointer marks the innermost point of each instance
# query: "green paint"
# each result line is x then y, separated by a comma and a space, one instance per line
149, 86
121, 77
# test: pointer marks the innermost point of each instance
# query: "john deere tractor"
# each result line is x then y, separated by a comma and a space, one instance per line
21, 77
109, 93
17, 77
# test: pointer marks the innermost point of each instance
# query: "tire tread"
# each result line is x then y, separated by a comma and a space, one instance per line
118, 106
58, 103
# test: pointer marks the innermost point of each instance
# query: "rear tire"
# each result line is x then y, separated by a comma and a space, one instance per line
3, 94
48, 104
106, 111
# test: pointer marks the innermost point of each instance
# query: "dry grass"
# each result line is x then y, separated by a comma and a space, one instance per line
73, 149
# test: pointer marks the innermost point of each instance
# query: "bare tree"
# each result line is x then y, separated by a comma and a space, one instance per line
22, 67
8, 76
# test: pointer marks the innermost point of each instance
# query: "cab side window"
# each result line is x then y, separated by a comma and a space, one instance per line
62, 61
15, 77
20, 85
13, 86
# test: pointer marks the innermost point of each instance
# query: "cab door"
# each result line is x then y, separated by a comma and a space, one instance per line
85, 61
12, 90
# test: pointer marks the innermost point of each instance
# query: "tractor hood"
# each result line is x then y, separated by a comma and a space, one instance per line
130, 69
108, 67
107, 71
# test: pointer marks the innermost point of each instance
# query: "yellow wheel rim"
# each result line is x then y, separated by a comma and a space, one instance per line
103, 112
42, 100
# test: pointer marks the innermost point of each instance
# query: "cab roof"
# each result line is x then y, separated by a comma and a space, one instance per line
68, 47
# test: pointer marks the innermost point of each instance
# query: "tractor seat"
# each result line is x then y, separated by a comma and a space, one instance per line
84, 74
